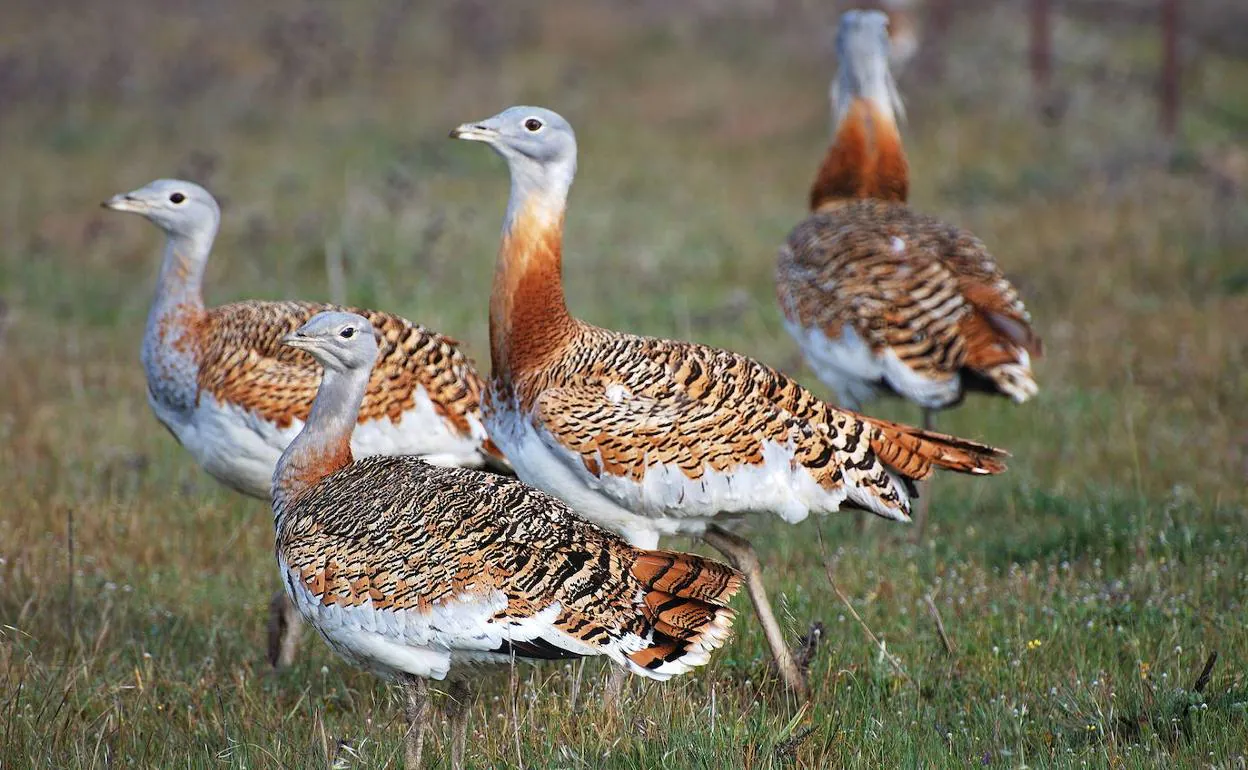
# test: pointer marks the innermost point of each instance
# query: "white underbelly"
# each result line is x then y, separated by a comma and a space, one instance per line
665, 501
421, 431
240, 449
233, 445
393, 643
847, 365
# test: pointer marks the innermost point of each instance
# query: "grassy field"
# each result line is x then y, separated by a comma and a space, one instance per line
1081, 593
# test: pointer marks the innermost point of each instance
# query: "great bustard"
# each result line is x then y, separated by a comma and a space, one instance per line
650, 436
222, 383
882, 299
415, 571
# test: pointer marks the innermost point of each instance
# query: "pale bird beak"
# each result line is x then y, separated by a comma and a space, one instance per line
295, 340
125, 202
475, 132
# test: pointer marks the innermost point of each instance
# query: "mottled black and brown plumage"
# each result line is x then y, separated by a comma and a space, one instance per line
651, 437
706, 412
220, 380
882, 299
243, 362
482, 567
410, 569
222, 383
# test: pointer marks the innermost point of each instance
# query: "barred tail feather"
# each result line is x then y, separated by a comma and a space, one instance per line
1013, 380
686, 575
1016, 330
913, 453
685, 607
668, 655
999, 349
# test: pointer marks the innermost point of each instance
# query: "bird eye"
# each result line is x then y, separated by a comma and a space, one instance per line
177, 198
533, 124
347, 333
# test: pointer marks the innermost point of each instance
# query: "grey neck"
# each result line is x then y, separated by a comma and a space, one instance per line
330, 424
180, 283
337, 403
864, 73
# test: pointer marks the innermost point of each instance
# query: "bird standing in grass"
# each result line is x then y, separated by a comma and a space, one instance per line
882, 299
415, 572
649, 436
223, 384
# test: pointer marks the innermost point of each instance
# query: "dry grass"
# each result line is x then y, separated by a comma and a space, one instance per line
1080, 592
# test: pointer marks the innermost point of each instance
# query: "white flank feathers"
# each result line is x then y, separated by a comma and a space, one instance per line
850, 368
665, 501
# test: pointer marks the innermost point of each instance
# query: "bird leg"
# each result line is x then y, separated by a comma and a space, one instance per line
285, 628
459, 699
416, 709
925, 487
617, 681
739, 551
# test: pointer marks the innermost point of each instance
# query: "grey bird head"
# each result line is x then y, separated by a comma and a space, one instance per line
340, 341
862, 53
178, 207
537, 143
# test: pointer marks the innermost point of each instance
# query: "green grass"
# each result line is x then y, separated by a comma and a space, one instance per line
1081, 593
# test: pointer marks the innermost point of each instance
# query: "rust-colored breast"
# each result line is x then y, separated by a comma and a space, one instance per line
866, 160
529, 322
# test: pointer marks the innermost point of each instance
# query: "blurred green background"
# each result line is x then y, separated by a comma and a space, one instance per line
1081, 592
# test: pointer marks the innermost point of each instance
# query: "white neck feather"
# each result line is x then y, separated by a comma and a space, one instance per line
538, 190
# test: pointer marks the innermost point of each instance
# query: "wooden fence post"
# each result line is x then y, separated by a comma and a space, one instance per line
1169, 80
1041, 51
936, 38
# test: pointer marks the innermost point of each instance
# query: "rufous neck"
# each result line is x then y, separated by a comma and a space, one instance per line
324, 444
866, 158
529, 320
